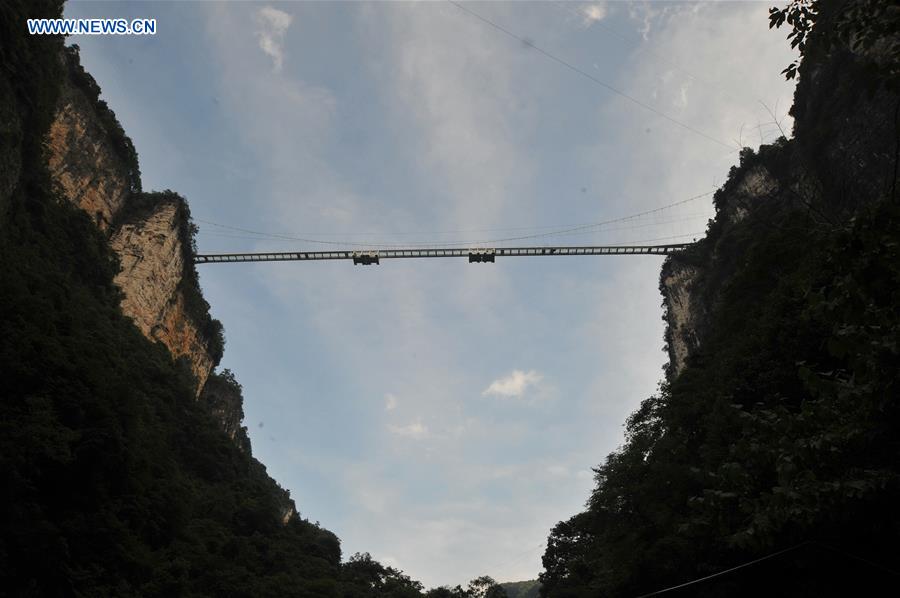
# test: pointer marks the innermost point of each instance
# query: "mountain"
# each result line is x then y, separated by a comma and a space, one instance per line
125, 467
773, 445
768, 461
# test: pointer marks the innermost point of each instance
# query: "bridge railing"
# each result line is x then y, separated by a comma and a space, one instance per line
475, 255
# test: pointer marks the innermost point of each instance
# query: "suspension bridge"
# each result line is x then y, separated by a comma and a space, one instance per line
475, 255
477, 251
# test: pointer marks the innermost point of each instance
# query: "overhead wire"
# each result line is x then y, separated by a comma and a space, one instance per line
732, 148
765, 558
596, 231
527, 42
709, 83
691, 218
594, 228
720, 573
557, 232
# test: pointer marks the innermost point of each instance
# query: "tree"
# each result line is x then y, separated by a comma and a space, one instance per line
485, 587
862, 26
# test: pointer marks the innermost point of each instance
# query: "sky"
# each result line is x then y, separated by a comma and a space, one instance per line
440, 415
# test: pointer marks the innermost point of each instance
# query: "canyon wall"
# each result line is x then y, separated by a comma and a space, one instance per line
83, 163
88, 159
843, 157
152, 257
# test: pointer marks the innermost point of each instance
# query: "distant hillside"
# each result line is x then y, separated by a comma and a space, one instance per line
522, 589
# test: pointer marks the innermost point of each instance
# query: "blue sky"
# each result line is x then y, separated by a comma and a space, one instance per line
442, 416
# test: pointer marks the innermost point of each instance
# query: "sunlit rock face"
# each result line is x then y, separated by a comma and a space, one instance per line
828, 179
152, 265
82, 160
87, 171
690, 283
681, 312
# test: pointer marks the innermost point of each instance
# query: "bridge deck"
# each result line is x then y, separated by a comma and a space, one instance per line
475, 254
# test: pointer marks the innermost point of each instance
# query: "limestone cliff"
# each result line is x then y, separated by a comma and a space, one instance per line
222, 394
82, 160
690, 282
224, 398
152, 256
844, 156
93, 165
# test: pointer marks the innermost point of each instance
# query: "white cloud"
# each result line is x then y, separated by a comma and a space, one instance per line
415, 430
513, 385
453, 92
273, 24
463, 103
593, 13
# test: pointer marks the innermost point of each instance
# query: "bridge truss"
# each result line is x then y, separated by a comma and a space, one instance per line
475, 255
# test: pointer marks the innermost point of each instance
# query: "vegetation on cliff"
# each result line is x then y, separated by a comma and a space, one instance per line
782, 433
138, 206
116, 480
121, 143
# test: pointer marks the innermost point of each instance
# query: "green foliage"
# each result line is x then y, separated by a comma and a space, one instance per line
783, 427
121, 143
224, 398
865, 27
480, 587
28, 79
115, 480
485, 587
137, 207
801, 16
364, 577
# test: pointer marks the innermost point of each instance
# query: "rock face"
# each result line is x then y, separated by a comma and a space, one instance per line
682, 336
222, 394
151, 254
223, 397
93, 165
150, 241
83, 162
842, 158
690, 285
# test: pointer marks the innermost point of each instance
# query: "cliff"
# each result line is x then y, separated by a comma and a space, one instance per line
93, 164
154, 257
81, 156
843, 157
690, 282
116, 480
223, 397
773, 440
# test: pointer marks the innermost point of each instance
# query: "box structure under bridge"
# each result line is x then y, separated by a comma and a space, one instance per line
365, 258
482, 255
